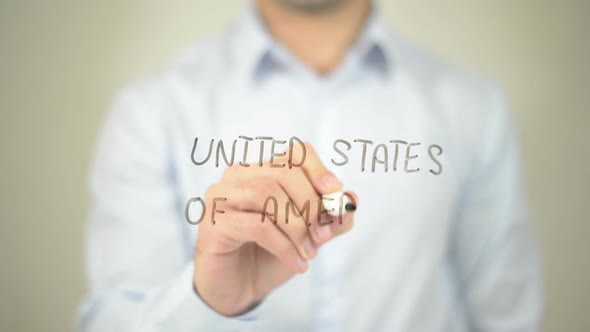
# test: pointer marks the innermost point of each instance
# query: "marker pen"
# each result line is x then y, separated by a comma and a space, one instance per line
338, 203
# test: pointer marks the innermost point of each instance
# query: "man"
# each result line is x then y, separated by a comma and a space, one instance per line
441, 238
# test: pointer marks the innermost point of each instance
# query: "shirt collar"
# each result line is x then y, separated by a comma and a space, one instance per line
256, 51
374, 45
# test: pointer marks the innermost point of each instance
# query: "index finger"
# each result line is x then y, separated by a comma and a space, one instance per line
323, 181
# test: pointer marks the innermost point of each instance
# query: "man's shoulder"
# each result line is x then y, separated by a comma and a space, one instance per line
439, 76
467, 106
456, 93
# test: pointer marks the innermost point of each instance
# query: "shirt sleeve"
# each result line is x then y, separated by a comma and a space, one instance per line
139, 255
494, 252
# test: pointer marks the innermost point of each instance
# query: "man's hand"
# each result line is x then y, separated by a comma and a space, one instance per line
240, 259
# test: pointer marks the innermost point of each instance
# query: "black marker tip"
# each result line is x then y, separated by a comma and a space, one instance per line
350, 207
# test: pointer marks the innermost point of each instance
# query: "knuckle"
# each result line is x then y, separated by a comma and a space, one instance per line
244, 195
248, 225
308, 147
287, 174
281, 172
285, 249
230, 172
212, 189
262, 187
259, 224
261, 228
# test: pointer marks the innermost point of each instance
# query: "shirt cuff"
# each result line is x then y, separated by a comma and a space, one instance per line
181, 308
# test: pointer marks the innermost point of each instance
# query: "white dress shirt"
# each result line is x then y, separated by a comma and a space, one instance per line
447, 252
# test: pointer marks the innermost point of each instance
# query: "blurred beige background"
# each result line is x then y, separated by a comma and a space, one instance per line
62, 61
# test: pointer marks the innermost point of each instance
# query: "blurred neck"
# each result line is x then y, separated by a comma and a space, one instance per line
319, 40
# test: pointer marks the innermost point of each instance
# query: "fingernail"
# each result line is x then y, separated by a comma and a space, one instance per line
302, 264
330, 182
310, 249
324, 232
